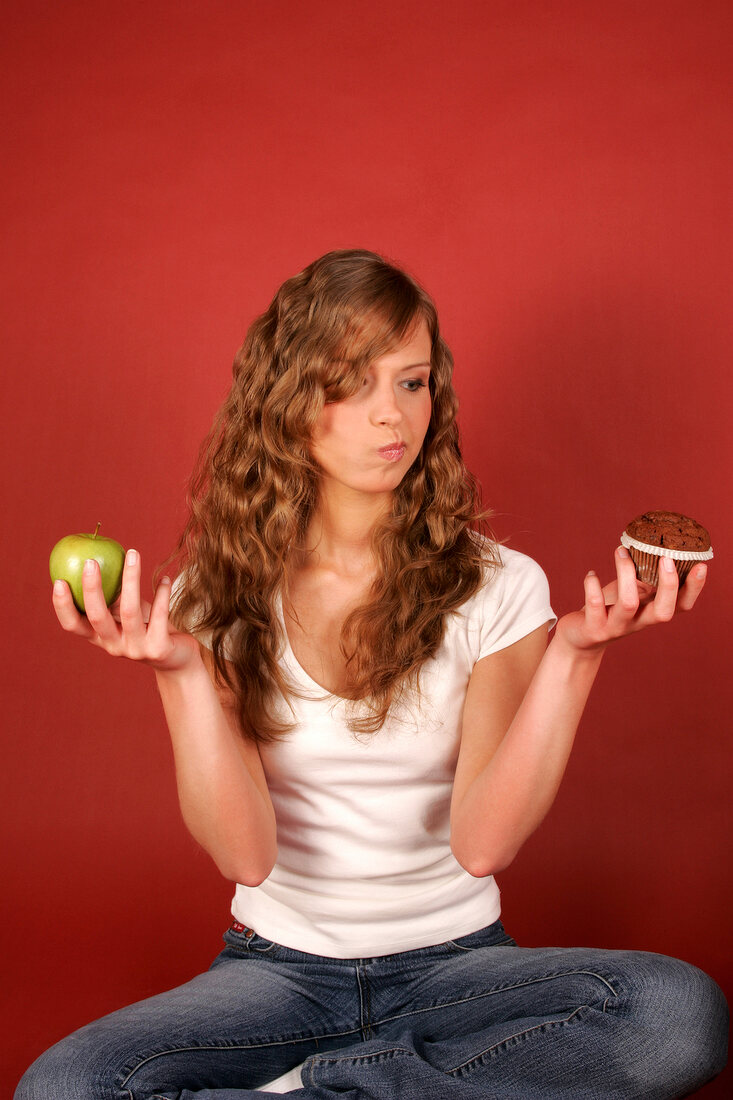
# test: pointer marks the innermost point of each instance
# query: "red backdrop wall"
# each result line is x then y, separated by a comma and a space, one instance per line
559, 176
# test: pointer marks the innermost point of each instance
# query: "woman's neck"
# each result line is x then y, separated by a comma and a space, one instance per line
339, 534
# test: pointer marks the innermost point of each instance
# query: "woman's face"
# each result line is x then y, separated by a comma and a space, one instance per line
367, 442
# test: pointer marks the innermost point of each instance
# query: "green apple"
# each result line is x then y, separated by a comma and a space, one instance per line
67, 562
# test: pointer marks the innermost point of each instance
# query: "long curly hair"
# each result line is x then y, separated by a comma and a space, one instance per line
255, 486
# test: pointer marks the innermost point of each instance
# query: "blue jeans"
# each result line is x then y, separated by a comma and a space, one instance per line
476, 1017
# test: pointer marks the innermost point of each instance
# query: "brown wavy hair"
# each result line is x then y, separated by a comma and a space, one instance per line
255, 486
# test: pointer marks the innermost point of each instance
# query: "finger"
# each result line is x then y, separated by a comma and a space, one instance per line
646, 591
114, 610
665, 602
595, 605
627, 595
131, 616
159, 640
692, 587
67, 613
160, 607
95, 605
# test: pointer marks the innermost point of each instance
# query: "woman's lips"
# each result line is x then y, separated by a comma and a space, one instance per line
393, 452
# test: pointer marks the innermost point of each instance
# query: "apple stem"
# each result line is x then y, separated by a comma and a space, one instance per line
97, 531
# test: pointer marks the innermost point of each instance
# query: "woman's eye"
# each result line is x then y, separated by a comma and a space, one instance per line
414, 384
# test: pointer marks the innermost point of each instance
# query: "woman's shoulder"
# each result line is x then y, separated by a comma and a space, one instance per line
512, 600
504, 567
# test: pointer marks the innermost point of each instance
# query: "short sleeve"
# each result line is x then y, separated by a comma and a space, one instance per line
514, 602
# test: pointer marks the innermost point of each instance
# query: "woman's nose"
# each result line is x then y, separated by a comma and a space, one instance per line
386, 409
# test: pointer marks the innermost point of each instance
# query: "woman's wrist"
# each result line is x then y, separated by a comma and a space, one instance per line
192, 672
571, 654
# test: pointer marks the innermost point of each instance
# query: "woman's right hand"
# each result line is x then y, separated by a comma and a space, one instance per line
132, 628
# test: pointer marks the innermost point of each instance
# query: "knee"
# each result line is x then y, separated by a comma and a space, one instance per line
702, 1014
681, 1015
66, 1071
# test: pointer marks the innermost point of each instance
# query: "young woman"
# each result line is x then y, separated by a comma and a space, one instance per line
367, 724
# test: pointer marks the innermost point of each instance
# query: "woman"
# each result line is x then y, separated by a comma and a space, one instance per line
367, 724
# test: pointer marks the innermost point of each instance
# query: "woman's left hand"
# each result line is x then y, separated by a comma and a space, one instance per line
627, 605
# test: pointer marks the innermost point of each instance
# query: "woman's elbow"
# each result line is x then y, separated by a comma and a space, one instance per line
482, 864
250, 878
246, 871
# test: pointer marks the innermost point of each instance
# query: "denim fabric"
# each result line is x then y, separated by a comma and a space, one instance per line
476, 1017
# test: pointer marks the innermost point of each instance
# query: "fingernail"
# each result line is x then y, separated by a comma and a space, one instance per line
89, 565
131, 557
591, 573
58, 588
165, 580
701, 570
668, 565
622, 552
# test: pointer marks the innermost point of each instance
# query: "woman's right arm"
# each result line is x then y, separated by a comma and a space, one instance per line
221, 783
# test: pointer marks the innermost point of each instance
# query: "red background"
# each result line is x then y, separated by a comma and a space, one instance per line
558, 174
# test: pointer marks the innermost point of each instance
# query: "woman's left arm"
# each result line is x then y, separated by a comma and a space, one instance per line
523, 706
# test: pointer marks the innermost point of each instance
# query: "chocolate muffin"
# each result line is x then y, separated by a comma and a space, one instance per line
665, 534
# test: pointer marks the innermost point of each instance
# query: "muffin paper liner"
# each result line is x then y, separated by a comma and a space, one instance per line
646, 558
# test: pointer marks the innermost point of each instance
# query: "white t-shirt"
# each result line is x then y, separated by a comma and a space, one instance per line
364, 863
